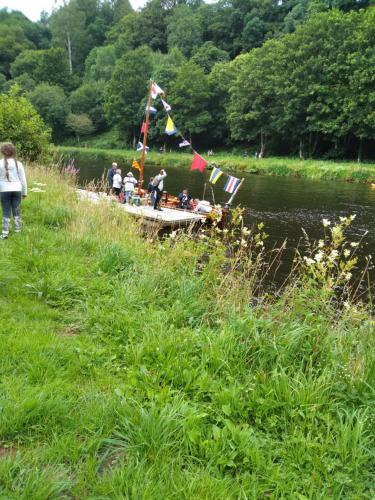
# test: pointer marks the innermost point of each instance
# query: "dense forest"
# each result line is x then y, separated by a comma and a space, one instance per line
276, 76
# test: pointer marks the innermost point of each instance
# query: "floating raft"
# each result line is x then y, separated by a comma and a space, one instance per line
167, 217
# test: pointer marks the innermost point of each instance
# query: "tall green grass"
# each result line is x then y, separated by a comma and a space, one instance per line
311, 169
125, 373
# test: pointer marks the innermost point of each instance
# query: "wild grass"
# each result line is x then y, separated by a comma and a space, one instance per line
126, 374
311, 169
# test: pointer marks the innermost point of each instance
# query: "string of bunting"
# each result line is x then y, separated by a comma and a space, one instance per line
198, 163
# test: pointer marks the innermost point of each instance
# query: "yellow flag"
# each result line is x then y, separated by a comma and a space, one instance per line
136, 165
170, 128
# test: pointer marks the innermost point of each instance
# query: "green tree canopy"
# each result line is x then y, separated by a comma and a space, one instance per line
208, 55
127, 89
184, 30
21, 124
52, 104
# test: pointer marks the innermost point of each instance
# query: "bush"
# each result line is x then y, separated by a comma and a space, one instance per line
21, 124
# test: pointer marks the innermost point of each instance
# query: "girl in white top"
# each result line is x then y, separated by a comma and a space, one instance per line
117, 182
129, 184
13, 187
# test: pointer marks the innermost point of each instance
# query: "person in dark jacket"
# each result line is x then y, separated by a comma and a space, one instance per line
111, 173
158, 184
184, 200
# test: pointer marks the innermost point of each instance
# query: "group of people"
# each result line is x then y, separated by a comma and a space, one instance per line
124, 188
118, 185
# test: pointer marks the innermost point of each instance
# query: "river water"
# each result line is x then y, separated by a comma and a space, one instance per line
286, 205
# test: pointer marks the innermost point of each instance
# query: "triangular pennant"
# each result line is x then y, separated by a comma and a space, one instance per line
184, 144
167, 107
155, 90
198, 163
170, 128
136, 165
144, 128
152, 110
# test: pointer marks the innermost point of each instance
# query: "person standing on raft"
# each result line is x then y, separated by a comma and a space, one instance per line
13, 187
158, 184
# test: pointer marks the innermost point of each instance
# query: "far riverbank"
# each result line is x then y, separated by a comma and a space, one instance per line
276, 166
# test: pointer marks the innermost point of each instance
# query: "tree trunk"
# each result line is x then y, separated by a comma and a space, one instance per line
360, 149
301, 157
262, 144
69, 48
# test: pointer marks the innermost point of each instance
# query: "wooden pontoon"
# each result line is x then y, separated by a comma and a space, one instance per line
167, 218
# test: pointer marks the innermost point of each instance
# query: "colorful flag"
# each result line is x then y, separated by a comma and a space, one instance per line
167, 107
152, 110
155, 90
140, 147
215, 175
198, 163
184, 144
170, 128
231, 184
144, 128
136, 165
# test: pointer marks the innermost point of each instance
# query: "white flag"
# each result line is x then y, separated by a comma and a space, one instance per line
184, 144
166, 106
155, 90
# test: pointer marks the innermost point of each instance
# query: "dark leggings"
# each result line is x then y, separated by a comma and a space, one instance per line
157, 194
11, 204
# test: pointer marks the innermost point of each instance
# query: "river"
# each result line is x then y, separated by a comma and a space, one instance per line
286, 205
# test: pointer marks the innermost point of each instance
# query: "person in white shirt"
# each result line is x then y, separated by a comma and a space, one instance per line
203, 207
13, 187
129, 185
117, 182
158, 184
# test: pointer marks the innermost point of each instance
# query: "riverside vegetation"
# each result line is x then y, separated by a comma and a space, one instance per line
139, 369
311, 169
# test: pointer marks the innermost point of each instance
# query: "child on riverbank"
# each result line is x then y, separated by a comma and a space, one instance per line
117, 183
13, 187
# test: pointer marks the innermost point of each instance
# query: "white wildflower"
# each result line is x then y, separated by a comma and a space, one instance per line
346, 252
352, 217
309, 261
225, 231
245, 231
326, 222
321, 243
173, 234
260, 243
343, 219
37, 190
347, 305
202, 236
40, 184
319, 256
333, 255
348, 276
243, 243
354, 244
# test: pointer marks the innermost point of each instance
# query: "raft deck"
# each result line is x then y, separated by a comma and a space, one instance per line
167, 217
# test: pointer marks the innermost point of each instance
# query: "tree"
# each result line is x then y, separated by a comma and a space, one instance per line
88, 99
81, 125
127, 90
184, 30
12, 42
43, 66
190, 95
220, 80
100, 63
52, 104
68, 27
21, 124
208, 55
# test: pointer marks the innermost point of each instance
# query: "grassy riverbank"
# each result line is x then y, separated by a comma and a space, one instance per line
128, 374
311, 169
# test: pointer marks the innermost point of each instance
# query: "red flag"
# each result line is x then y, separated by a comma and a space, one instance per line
144, 128
198, 163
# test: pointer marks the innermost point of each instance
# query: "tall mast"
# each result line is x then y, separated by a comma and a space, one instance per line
145, 139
